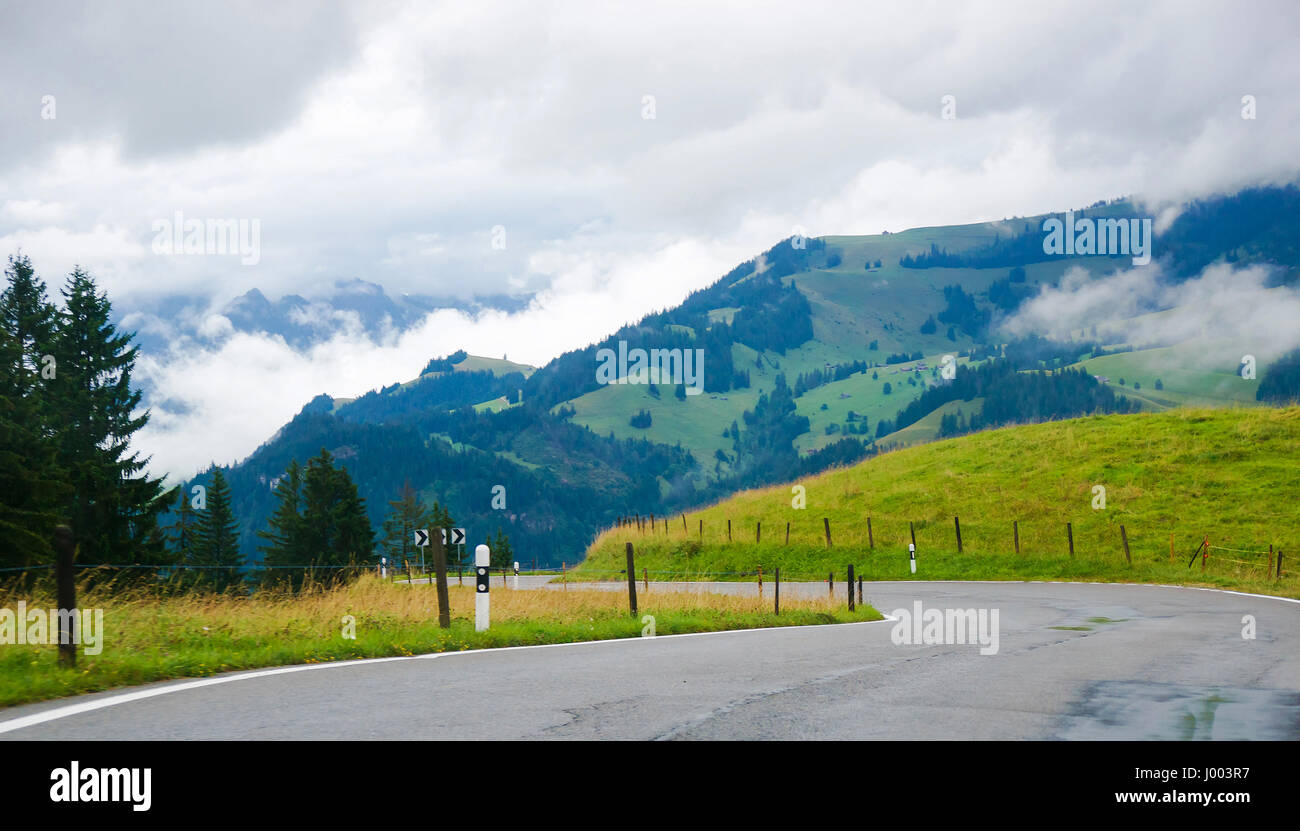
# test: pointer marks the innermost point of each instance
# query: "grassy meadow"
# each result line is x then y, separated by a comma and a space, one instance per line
148, 637
1225, 474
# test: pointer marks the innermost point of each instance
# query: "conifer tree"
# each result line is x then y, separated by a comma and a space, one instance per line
405, 515
216, 538
114, 506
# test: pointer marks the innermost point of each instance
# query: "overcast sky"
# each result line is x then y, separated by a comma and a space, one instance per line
386, 141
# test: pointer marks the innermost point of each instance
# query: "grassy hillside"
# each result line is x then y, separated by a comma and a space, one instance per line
1226, 474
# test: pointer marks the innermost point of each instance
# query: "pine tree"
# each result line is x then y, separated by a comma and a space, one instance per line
32, 491
216, 538
285, 545
180, 537
406, 514
503, 555
114, 506
336, 530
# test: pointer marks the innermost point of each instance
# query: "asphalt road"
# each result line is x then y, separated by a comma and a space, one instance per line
1141, 662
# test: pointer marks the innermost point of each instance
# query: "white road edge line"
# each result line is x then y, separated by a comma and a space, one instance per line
55, 713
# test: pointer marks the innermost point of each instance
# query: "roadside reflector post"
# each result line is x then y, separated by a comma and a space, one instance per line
830, 583
383, 567
516, 575
848, 582
911, 529
631, 580
911, 553
482, 579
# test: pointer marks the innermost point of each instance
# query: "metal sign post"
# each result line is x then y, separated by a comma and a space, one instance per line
482, 559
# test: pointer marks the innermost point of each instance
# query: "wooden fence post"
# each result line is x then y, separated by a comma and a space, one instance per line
1123, 535
859, 589
871, 541
827, 522
956, 523
760, 581
1270, 559
787, 533
65, 548
848, 582
1069, 534
776, 592
701, 530
631, 579
1015, 529
728, 530
684, 529
830, 583
564, 575
758, 532
645, 577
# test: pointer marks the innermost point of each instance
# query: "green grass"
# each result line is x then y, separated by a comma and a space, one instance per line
1227, 474
1185, 379
150, 638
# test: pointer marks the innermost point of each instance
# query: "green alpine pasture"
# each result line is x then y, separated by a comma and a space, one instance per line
1225, 474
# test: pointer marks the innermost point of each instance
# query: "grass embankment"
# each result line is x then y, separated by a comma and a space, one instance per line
152, 638
1226, 474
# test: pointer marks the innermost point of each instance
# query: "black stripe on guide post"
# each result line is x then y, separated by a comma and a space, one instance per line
65, 548
849, 583
631, 580
912, 530
956, 523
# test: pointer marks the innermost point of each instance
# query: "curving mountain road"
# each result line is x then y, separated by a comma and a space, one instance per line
1133, 662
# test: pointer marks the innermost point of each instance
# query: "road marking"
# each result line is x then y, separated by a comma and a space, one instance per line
65, 711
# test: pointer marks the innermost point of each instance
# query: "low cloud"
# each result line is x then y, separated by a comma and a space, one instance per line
1223, 305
